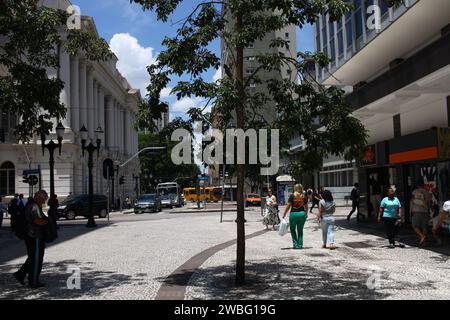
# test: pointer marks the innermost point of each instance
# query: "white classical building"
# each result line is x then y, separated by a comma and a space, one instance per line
95, 95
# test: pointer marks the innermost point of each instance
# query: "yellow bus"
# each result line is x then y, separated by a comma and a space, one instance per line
212, 194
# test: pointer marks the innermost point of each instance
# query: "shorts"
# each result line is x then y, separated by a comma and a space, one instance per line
420, 219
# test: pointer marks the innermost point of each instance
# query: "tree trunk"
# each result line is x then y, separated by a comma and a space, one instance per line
240, 113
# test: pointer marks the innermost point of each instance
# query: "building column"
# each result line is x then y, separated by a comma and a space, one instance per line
83, 94
65, 76
95, 106
75, 94
127, 132
109, 125
101, 110
116, 126
90, 102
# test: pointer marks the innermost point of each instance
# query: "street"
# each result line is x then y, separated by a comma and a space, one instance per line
181, 255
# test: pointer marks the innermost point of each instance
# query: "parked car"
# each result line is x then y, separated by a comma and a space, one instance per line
148, 203
166, 201
253, 200
78, 205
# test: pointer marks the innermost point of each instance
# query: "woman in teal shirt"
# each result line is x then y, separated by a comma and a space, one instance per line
391, 211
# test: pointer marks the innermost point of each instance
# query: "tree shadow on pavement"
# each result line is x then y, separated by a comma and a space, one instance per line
288, 279
406, 235
11, 247
94, 283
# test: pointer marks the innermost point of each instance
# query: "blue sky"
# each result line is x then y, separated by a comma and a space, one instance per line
135, 36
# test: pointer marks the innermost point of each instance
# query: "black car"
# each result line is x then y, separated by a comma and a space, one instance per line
148, 203
75, 206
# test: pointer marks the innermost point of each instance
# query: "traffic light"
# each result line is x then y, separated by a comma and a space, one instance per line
122, 180
26, 179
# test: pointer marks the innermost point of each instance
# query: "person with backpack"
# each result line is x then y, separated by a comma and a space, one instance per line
2, 211
13, 205
298, 207
36, 224
419, 210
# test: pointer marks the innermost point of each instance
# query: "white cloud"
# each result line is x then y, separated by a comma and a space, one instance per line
183, 105
165, 93
133, 60
218, 75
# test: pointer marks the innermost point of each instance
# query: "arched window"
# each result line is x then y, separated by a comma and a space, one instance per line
7, 179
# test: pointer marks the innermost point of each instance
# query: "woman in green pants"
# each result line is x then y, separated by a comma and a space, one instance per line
298, 204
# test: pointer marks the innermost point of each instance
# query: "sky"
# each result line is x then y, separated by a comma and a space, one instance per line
135, 37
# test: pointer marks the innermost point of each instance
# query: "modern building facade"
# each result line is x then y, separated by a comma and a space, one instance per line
95, 95
399, 77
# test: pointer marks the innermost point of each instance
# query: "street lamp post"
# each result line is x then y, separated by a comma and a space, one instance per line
90, 148
51, 147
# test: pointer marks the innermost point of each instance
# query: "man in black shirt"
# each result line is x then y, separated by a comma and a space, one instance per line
355, 202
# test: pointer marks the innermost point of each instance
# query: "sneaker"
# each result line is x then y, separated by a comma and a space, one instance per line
18, 278
332, 247
391, 246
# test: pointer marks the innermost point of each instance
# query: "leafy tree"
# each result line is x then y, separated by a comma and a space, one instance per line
239, 23
31, 37
159, 164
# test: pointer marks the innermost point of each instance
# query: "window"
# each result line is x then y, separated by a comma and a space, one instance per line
251, 46
318, 35
286, 35
8, 123
384, 8
249, 70
251, 58
358, 19
349, 29
7, 179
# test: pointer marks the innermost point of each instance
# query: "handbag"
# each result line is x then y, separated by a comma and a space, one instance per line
284, 227
50, 232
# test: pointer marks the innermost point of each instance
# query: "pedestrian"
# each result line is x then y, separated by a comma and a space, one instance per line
2, 211
315, 199
271, 212
128, 202
13, 205
391, 213
440, 219
326, 219
419, 210
34, 241
354, 195
23, 200
53, 205
298, 207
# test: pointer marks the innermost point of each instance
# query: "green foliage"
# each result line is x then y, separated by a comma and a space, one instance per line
30, 40
160, 165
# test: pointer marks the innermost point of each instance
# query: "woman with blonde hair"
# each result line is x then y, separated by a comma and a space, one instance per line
298, 205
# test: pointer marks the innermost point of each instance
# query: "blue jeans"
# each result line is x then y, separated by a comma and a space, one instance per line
327, 225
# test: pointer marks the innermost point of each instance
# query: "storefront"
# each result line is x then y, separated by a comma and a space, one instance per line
403, 162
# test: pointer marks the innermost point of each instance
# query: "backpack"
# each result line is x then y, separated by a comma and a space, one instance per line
19, 223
